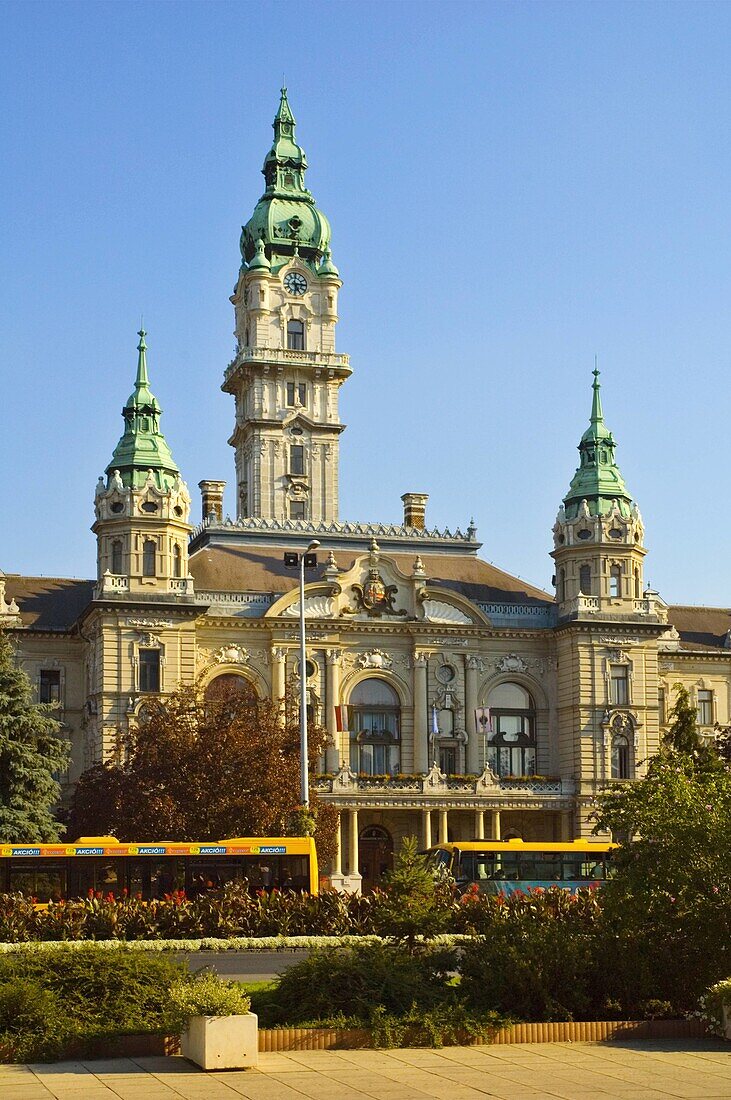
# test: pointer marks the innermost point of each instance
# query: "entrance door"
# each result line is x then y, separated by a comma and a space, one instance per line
375, 855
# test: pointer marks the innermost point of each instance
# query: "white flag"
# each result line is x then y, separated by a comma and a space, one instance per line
483, 720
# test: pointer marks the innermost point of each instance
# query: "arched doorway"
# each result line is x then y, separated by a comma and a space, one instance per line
375, 855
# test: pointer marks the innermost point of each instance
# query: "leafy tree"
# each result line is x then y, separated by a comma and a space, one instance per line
683, 737
32, 750
671, 893
413, 904
199, 768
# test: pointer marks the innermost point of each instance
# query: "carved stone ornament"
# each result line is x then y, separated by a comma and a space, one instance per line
345, 778
374, 658
375, 597
488, 779
436, 611
232, 655
435, 777
149, 641
617, 656
511, 662
149, 624
316, 607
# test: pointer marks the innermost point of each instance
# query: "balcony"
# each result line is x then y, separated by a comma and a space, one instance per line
473, 788
329, 360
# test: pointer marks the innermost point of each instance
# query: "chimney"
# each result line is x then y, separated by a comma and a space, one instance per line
415, 510
212, 499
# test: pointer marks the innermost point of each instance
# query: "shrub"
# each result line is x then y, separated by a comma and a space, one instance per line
205, 994
33, 1021
712, 1004
96, 994
352, 981
539, 961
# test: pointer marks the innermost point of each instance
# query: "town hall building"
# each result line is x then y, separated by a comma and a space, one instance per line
459, 701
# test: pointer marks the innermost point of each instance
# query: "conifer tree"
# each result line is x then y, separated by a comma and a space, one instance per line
32, 749
683, 737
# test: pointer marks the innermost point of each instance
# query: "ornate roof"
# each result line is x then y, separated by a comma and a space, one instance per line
598, 479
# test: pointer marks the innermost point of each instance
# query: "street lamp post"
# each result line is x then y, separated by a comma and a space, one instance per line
304, 776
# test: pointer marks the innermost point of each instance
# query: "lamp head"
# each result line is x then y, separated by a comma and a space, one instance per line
313, 546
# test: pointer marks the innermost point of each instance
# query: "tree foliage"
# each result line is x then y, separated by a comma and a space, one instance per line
200, 768
414, 902
682, 735
32, 751
672, 886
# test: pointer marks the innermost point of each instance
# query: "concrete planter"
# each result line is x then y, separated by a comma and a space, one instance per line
222, 1042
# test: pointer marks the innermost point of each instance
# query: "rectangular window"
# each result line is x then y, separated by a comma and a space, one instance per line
297, 460
619, 685
448, 759
300, 389
49, 687
149, 670
705, 708
297, 509
149, 549
661, 705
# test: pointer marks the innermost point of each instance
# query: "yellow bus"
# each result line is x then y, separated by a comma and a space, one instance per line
102, 865
512, 866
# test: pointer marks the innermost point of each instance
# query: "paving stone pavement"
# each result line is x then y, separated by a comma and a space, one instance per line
530, 1071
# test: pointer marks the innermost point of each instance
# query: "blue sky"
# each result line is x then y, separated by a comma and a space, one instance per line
513, 189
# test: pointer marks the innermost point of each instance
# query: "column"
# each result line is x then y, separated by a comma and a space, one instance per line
479, 824
332, 688
470, 704
338, 861
426, 828
567, 825
496, 835
443, 827
353, 843
421, 743
278, 659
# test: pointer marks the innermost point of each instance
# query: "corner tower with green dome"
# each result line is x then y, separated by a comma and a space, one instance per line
142, 505
598, 535
286, 374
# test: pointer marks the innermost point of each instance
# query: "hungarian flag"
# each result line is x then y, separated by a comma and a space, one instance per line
342, 719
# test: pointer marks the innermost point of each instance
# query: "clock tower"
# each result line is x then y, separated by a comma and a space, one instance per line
286, 374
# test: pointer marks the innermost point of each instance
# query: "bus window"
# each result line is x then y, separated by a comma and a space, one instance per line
547, 866
33, 878
476, 866
154, 878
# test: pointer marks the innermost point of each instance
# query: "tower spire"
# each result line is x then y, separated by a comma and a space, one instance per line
286, 218
598, 479
143, 447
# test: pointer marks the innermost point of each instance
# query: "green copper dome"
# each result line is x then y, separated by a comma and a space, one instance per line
598, 480
143, 447
286, 217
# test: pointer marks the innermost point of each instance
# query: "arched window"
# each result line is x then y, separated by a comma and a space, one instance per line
177, 561
561, 585
511, 744
615, 582
149, 549
585, 580
296, 335
375, 723
229, 691
621, 761
117, 556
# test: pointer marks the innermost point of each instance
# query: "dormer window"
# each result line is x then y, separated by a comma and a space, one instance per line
296, 335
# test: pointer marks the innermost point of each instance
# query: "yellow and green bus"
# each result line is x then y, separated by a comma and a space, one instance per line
102, 865
513, 866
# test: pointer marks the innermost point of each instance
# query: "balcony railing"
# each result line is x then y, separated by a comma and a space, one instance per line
329, 359
435, 781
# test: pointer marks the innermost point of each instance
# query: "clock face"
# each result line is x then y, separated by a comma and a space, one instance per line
295, 283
